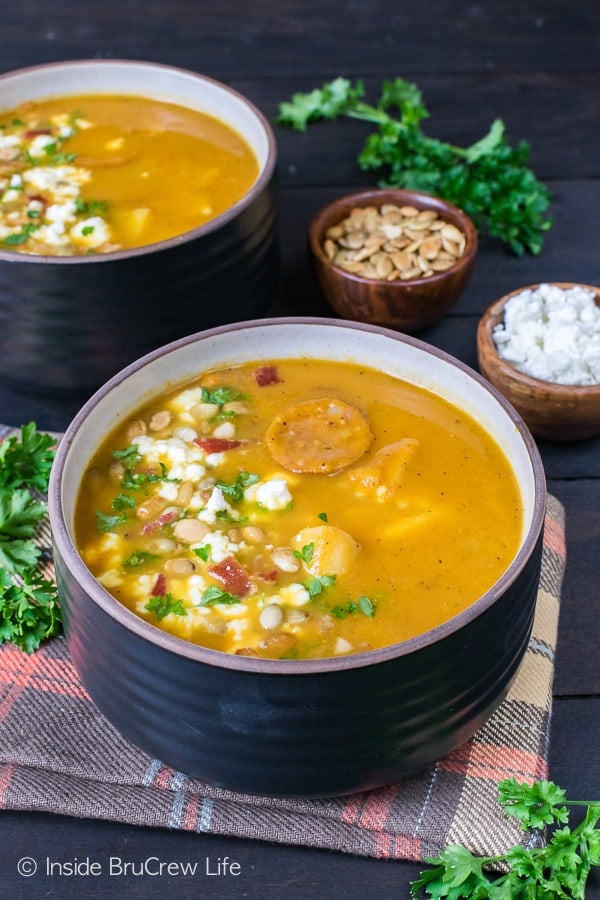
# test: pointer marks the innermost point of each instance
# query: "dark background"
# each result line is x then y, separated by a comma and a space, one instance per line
535, 65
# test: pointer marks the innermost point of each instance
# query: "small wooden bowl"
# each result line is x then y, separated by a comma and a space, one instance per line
406, 306
558, 412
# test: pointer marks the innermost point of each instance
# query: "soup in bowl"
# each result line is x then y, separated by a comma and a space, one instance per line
122, 183
337, 546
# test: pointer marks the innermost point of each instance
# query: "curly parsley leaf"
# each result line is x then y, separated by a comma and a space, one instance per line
163, 606
26, 461
29, 607
490, 180
560, 869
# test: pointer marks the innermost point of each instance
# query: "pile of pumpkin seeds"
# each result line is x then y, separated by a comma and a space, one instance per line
394, 243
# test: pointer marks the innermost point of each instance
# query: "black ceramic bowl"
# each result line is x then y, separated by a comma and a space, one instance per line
70, 323
290, 727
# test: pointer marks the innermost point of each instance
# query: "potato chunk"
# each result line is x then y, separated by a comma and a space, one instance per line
318, 436
333, 550
383, 473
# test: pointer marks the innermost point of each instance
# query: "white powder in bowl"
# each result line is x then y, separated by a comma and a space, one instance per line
553, 334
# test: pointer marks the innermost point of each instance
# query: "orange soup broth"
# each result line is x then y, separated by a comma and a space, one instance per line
161, 169
440, 537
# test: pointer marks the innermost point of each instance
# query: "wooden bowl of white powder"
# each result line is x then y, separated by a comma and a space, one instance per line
540, 346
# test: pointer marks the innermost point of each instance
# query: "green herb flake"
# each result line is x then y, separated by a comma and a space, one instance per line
139, 558
165, 605
323, 517
367, 607
15, 240
317, 585
91, 207
87, 229
203, 552
214, 595
123, 501
221, 395
306, 553
236, 490
108, 523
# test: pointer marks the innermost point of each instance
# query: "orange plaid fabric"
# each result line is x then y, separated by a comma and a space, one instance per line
58, 754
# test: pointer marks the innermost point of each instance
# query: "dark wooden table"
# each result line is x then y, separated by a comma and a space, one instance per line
533, 64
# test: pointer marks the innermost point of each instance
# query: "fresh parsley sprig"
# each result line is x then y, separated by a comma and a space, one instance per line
490, 180
560, 869
29, 607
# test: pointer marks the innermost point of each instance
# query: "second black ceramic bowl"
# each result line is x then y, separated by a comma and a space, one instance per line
297, 727
70, 323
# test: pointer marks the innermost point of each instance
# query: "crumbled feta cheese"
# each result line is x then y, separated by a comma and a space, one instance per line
168, 491
187, 435
187, 399
552, 334
38, 145
61, 212
16, 181
272, 494
54, 234
90, 232
293, 595
220, 546
216, 504
61, 181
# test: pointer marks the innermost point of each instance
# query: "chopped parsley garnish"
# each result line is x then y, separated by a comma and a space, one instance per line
306, 554
163, 606
317, 585
203, 552
130, 453
106, 522
87, 229
221, 395
123, 501
139, 558
236, 490
213, 595
365, 606
135, 480
323, 517
91, 207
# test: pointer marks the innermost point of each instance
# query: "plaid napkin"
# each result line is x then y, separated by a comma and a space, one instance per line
59, 754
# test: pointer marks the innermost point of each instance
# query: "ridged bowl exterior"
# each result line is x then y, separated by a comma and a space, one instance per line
291, 727
70, 323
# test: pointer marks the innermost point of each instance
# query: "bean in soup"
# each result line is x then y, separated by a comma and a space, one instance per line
298, 509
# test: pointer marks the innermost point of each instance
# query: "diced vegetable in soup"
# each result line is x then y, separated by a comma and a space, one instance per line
298, 509
94, 174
